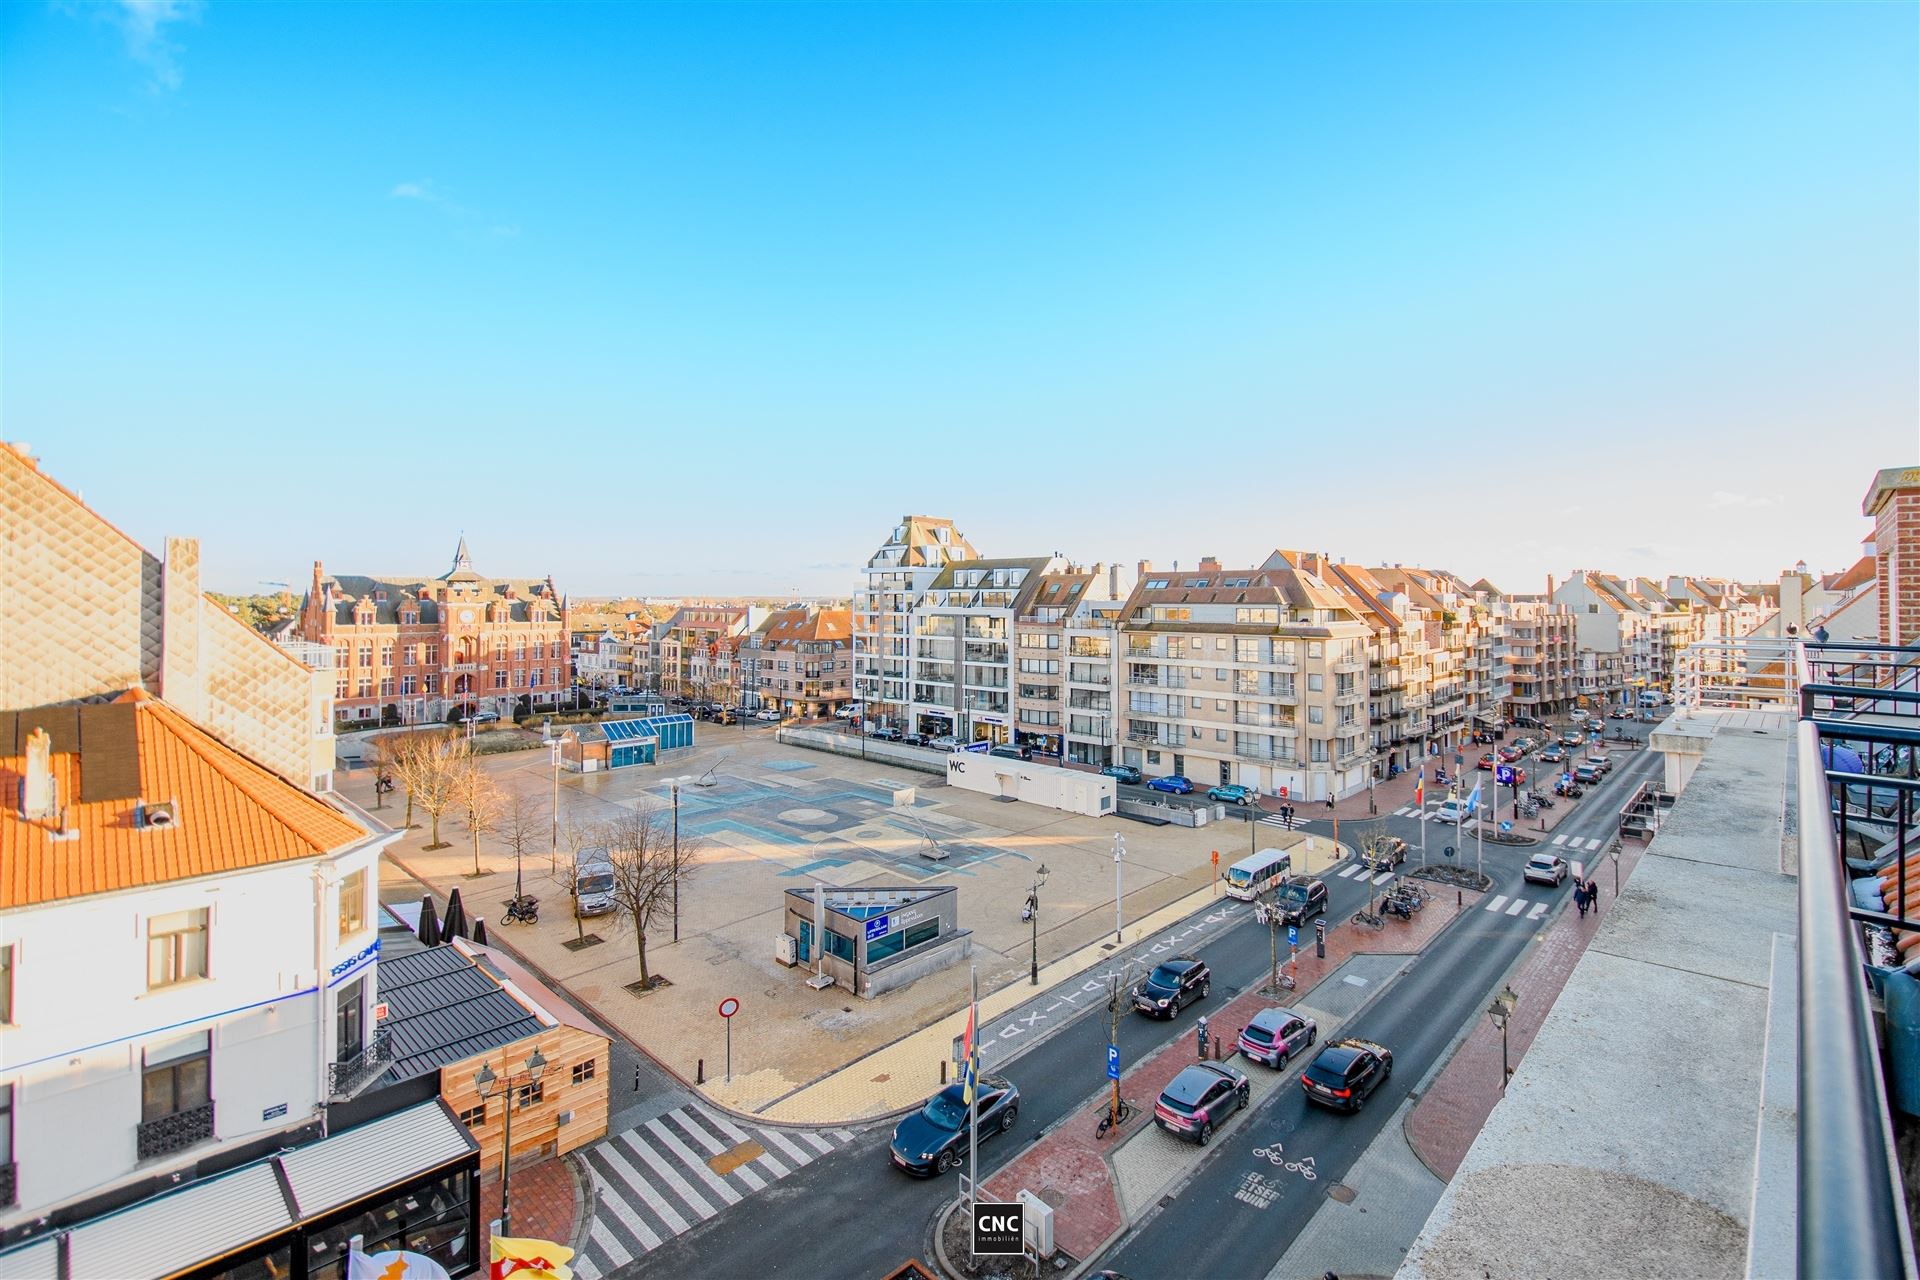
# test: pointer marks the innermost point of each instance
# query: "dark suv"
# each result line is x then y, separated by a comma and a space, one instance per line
1200, 1098
1346, 1073
1172, 986
1299, 898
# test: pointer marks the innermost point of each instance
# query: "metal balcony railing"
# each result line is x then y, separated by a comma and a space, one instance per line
350, 1075
168, 1134
1857, 784
9, 1184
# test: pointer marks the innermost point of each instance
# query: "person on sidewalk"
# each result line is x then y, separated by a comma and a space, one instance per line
1593, 895
1580, 899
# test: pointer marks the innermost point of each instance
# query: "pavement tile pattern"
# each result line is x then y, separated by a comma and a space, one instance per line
672, 1173
546, 1202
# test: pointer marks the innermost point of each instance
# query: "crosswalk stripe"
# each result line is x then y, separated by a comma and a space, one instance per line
800, 1156
607, 1195
1404, 811
818, 1141
842, 1135
609, 1245
1348, 870
693, 1162
1561, 838
583, 1266
642, 1188
1383, 877
1539, 909
686, 1118
1593, 846
1519, 905
660, 1165
1496, 904
719, 1121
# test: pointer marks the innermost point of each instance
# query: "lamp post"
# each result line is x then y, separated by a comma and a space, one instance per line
674, 785
489, 1084
1119, 857
1033, 915
554, 746
1501, 1011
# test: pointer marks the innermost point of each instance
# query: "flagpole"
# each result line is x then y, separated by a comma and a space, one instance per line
1421, 790
973, 1093
1480, 839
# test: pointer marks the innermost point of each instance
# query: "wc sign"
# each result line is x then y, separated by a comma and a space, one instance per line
998, 1229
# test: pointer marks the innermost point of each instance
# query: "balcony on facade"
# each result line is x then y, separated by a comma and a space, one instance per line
1156, 678
1277, 688
167, 1134
1155, 735
1264, 753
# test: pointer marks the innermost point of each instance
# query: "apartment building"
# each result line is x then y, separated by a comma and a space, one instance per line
416, 650
898, 575
1463, 631
221, 923
698, 647
799, 661
86, 612
1255, 676
1542, 657
961, 666
1399, 666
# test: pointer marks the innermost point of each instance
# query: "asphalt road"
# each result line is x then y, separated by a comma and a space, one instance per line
851, 1213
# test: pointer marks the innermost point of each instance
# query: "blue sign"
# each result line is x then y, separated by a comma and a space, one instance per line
1506, 826
1503, 774
1566, 777
877, 928
1113, 1062
1293, 935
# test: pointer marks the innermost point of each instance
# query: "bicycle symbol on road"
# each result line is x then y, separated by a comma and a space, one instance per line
1276, 1155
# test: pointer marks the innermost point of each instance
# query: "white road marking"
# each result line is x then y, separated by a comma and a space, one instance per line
810, 1136
1496, 904
800, 1156
700, 1167
1348, 870
1560, 839
1539, 909
655, 1201
1383, 877
1519, 905
632, 1221
609, 1244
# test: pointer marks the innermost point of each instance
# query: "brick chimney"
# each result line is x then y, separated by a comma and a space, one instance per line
37, 800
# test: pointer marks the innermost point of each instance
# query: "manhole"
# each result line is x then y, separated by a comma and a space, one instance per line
1342, 1192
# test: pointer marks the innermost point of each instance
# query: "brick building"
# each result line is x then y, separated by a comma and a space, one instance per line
418, 650
800, 661
1893, 504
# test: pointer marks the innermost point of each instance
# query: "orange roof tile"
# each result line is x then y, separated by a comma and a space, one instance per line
231, 814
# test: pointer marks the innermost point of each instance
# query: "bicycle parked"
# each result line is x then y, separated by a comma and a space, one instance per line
522, 909
1107, 1119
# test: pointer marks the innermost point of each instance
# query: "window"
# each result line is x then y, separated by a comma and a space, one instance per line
348, 1017
839, 946
366, 654
386, 686
341, 688
531, 1093
1219, 673
583, 1071
366, 687
386, 655
1156, 584
353, 904
1316, 682
176, 1079
176, 948
474, 1117
923, 933
409, 685
410, 656
1319, 753
500, 679
6, 989
1316, 715
1219, 704
6, 1140
433, 683
1315, 649
433, 654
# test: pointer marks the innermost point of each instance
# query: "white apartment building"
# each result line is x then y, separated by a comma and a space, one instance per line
918, 550
188, 953
961, 666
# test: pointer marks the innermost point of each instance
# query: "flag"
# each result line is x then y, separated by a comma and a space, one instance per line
393, 1264
967, 1056
1473, 800
1420, 788
528, 1259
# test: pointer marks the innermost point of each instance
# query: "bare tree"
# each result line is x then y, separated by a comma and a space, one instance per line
481, 804
521, 823
1376, 854
567, 861
430, 766
647, 871
380, 756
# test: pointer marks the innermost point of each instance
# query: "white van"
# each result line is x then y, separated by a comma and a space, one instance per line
593, 883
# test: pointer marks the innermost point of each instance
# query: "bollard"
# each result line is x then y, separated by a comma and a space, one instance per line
636, 1077
943, 1072
1459, 901
700, 1072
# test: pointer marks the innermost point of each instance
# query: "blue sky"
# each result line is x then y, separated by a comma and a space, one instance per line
703, 298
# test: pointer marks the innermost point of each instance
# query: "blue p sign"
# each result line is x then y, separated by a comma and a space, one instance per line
1504, 775
1293, 935
1113, 1062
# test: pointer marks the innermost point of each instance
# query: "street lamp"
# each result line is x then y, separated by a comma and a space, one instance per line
1119, 857
1501, 1011
489, 1084
554, 746
673, 784
1033, 915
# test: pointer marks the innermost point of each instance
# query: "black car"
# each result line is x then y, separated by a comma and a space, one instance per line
934, 1139
1009, 751
1299, 898
1346, 1073
914, 739
1200, 1098
1586, 774
1172, 986
887, 735
1384, 854
1123, 772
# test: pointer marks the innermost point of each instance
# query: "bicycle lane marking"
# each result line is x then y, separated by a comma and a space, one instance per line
1028, 1024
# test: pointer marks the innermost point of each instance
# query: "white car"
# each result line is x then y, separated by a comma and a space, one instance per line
1453, 812
1544, 868
845, 713
766, 713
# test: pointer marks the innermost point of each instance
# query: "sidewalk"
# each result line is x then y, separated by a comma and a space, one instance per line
1458, 1101
547, 1203
1076, 1172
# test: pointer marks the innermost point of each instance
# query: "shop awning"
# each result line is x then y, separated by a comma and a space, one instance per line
374, 1156
174, 1232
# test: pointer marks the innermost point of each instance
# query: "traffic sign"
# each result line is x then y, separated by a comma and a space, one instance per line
729, 1007
1283, 793
1113, 1062
1503, 774
1293, 935
1506, 826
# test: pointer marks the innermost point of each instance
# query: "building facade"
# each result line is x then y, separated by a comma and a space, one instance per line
799, 661
421, 650
898, 575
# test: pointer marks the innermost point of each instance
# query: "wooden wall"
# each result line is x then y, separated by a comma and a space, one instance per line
537, 1131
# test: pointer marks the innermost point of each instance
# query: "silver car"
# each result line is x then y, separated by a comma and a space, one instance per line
1275, 1035
1544, 868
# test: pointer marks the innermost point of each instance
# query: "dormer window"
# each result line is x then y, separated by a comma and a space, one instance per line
381, 596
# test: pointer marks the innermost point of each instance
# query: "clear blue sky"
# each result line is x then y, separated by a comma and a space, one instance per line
676, 298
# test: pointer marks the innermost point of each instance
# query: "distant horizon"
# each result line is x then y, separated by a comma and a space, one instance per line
699, 299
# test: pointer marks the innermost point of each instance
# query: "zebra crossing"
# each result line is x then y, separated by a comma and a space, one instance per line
1353, 870
1576, 844
1514, 906
1275, 820
672, 1173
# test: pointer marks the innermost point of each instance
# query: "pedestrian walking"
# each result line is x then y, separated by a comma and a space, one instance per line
1580, 899
1329, 800
1593, 895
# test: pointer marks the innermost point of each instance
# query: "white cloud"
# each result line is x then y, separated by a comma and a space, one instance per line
1721, 498
143, 25
469, 224
412, 191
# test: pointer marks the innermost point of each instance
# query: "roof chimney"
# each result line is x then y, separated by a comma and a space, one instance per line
37, 801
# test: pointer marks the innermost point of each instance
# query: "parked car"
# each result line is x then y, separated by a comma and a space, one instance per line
1346, 1073
888, 735
1275, 1035
1384, 854
1586, 774
1485, 761
1553, 754
1524, 745
725, 715
1299, 898
1123, 772
1172, 986
1509, 754
945, 742
1545, 868
1619, 713
1172, 782
1572, 738
1230, 793
934, 1138
1011, 751
1603, 763
767, 714
1199, 1098
844, 712
914, 739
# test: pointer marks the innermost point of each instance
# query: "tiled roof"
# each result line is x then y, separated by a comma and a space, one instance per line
1859, 575
229, 813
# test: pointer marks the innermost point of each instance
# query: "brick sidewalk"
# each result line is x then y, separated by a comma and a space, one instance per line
544, 1203
1069, 1167
1449, 1116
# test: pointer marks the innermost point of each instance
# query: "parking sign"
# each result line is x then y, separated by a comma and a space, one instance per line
1503, 774
1113, 1062
1293, 935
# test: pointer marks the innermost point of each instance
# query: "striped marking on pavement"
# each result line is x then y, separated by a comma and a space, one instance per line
1383, 877
1347, 872
1519, 905
1561, 838
1539, 909
1497, 903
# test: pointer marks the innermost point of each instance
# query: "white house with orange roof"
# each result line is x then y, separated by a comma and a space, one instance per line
188, 959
